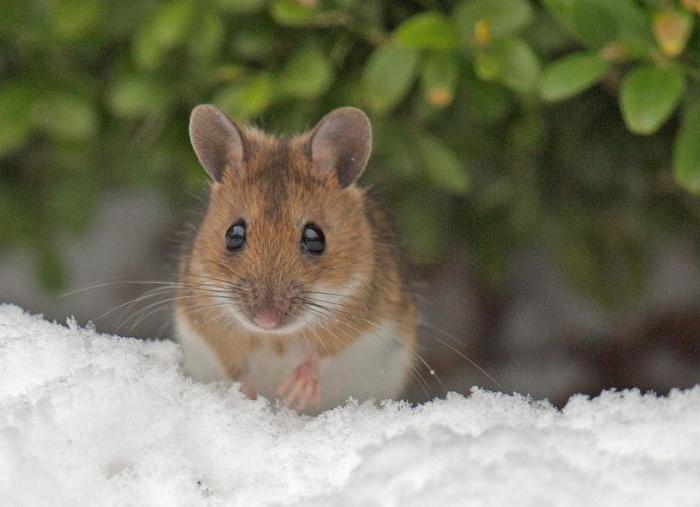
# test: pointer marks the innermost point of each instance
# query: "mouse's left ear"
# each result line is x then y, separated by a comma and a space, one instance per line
342, 142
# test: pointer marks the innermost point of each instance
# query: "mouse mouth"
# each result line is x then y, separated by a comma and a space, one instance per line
270, 320
292, 310
316, 306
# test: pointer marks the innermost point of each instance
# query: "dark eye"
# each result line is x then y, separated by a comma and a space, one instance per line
312, 240
235, 236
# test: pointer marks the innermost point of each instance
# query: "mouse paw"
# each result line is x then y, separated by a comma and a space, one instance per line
301, 388
248, 391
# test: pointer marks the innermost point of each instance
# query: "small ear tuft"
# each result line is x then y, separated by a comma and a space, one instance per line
216, 140
342, 142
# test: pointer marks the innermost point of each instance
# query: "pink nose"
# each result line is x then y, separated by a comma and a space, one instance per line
267, 318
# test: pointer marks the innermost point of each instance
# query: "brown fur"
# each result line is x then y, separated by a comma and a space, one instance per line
277, 190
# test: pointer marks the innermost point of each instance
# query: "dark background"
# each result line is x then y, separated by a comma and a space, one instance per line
539, 159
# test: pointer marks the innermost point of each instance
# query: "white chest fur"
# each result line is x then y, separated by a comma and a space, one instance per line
374, 366
199, 359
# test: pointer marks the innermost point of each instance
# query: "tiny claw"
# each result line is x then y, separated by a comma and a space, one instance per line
294, 394
248, 391
287, 384
305, 396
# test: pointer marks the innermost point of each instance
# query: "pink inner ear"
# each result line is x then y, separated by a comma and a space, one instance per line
234, 157
342, 142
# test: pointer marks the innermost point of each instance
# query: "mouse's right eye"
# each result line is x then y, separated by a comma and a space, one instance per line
235, 236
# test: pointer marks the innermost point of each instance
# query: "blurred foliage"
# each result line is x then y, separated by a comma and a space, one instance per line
568, 124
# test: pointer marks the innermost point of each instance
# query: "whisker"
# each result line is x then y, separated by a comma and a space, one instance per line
322, 327
335, 303
467, 358
123, 282
414, 371
160, 291
163, 303
332, 313
422, 322
441, 341
215, 279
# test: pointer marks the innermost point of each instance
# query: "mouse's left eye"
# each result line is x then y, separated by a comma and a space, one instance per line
313, 240
235, 236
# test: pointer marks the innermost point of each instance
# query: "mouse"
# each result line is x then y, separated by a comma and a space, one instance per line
292, 283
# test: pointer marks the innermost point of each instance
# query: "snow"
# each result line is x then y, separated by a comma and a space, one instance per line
89, 419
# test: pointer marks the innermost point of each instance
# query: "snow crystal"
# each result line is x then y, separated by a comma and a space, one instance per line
90, 419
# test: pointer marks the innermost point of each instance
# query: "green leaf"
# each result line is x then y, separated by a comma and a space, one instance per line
229, 73
16, 100
240, 6
649, 95
511, 62
166, 29
488, 65
246, 99
254, 43
594, 23
633, 28
563, 12
73, 19
289, 12
388, 76
306, 75
686, 152
500, 17
206, 41
442, 165
571, 75
519, 67
171, 22
440, 79
66, 117
428, 30
136, 97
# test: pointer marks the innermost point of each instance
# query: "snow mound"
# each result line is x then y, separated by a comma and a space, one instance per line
88, 419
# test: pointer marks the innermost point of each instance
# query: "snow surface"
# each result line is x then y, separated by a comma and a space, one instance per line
88, 419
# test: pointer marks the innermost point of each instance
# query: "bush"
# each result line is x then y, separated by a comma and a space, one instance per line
498, 123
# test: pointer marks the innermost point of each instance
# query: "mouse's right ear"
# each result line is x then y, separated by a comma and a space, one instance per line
216, 140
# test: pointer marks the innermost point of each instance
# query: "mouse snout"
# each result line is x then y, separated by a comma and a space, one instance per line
271, 307
267, 317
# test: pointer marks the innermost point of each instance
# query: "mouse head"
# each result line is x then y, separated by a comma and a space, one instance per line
285, 241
